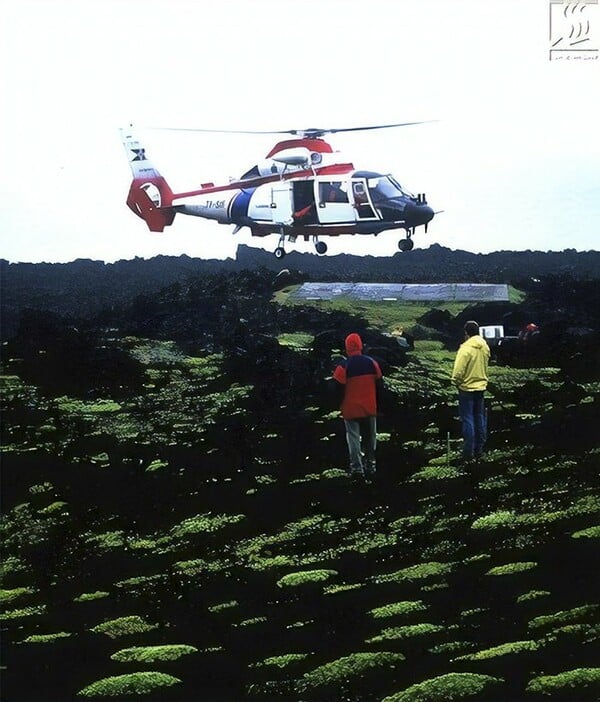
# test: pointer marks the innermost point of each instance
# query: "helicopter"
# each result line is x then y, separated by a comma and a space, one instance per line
302, 188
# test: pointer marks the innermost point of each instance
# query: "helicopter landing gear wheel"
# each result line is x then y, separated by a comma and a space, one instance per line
321, 247
279, 252
406, 244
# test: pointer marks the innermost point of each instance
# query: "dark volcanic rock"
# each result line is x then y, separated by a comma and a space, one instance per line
93, 286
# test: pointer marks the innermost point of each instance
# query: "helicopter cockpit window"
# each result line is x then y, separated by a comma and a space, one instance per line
385, 188
333, 191
405, 192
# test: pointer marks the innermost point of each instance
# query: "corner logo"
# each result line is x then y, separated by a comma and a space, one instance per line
574, 30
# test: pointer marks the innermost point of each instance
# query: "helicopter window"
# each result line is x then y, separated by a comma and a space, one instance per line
397, 184
360, 195
252, 173
333, 191
384, 188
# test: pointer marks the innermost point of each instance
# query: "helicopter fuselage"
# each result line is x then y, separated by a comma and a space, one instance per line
358, 202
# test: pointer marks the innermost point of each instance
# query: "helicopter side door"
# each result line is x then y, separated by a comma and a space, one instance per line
362, 203
281, 203
333, 202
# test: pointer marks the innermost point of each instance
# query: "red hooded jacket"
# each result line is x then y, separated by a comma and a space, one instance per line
359, 373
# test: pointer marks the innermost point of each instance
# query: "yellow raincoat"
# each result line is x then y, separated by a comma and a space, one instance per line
471, 364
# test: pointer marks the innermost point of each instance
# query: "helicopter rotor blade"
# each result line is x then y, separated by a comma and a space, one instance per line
336, 130
311, 132
218, 131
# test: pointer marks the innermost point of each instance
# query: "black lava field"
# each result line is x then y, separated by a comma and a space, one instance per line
178, 524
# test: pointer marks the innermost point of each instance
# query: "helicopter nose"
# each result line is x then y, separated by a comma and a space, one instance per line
417, 214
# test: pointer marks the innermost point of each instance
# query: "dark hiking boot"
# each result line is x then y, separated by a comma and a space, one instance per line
370, 473
357, 476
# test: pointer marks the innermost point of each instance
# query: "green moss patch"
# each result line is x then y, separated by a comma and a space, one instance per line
532, 595
435, 473
262, 563
398, 608
466, 613
206, 524
584, 633
156, 465
507, 519
296, 340
452, 647
16, 593
304, 577
577, 682
364, 541
413, 573
343, 587
251, 621
153, 654
590, 533
446, 688
143, 582
200, 566
223, 606
57, 507
333, 473
512, 568
408, 523
90, 596
311, 528
46, 638
282, 662
399, 633
106, 541
11, 565
132, 684
22, 612
345, 669
495, 520
568, 616
501, 650
124, 626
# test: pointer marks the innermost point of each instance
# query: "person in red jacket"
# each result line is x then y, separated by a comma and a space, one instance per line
359, 375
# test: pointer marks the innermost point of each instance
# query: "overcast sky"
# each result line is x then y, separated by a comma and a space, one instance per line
513, 160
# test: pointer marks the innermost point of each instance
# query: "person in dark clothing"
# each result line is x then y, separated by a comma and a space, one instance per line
359, 374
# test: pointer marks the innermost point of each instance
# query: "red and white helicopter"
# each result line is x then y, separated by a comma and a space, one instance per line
301, 188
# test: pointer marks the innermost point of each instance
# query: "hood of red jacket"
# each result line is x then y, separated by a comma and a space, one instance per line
353, 344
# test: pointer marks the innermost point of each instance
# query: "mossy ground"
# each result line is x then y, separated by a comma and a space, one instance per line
204, 526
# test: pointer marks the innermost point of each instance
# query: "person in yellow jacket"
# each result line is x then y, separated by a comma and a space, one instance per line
470, 376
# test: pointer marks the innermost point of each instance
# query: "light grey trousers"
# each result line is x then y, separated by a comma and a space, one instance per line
361, 437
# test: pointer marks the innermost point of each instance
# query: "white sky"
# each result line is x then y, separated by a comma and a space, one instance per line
514, 160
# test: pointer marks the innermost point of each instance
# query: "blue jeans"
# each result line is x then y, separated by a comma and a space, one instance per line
367, 427
473, 416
